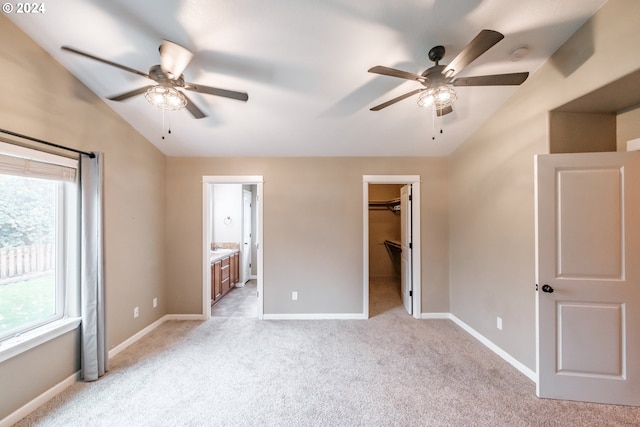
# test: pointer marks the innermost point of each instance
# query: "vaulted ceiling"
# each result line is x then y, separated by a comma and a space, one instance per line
304, 65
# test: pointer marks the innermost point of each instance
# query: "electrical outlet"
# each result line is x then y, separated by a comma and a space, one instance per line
136, 312
294, 296
499, 323
155, 302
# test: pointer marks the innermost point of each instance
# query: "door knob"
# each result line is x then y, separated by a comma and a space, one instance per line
547, 288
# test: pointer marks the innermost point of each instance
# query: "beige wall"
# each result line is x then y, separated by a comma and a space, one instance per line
313, 238
42, 100
492, 182
581, 132
627, 127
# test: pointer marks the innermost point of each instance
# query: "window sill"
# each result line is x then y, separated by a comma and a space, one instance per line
17, 345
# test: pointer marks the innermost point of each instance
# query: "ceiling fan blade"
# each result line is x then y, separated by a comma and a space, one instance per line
113, 64
512, 79
386, 71
174, 58
240, 96
193, 109
394, 100
444, 111
129, 94
479, 45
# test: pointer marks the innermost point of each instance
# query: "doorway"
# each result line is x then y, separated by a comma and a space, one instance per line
232, 225
405, 249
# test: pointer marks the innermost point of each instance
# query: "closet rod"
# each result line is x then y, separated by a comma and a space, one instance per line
50, 144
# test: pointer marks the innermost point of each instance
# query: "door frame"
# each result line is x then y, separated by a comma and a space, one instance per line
207, 180
415, 181
247, 277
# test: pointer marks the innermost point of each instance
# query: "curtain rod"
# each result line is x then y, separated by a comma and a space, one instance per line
50, 144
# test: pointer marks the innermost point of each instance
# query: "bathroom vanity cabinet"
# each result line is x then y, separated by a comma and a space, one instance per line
225, 273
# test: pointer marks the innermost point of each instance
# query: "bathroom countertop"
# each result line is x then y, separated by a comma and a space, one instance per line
218, 254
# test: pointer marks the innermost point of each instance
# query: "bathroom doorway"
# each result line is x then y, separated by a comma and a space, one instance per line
232, 249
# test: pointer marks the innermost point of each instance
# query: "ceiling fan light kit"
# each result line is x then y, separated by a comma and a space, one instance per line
438, 97
166, 98
439, 80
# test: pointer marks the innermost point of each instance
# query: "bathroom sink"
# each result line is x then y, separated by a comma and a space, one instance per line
221, 251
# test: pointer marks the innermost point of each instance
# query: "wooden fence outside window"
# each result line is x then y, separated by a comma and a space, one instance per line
20, 262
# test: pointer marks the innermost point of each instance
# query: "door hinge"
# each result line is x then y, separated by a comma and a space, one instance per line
411, 293
410, 245
410, 197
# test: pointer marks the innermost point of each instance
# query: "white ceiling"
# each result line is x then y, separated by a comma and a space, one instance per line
304, 65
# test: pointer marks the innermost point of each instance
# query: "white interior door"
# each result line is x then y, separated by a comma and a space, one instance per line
588, 272
245, 251
405, 232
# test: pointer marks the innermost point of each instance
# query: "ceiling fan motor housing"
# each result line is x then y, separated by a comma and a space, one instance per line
156, 74
434, 76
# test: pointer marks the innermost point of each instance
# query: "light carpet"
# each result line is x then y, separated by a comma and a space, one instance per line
390, 370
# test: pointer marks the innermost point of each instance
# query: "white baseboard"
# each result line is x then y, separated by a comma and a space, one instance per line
183, 317
315, 316
126, 343
497, 350
435, 316
117, 349
26, 409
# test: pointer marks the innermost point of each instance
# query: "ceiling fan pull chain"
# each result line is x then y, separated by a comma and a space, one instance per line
168, 125
433, 126
162, 123
436, 118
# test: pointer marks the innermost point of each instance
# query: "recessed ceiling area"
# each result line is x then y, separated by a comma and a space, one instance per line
612, 98
304, 66
589, 123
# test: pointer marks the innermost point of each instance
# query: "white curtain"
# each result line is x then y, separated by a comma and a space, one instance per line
94, 338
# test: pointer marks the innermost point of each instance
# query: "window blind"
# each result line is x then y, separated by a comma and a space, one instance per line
21, 161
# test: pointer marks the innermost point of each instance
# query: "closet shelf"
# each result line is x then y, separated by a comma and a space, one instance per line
393, 246
394, 249
393, 205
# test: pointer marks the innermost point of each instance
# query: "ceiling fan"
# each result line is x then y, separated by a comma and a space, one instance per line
167, 78
438, 81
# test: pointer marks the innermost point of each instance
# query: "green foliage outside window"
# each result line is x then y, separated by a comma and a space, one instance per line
27, 211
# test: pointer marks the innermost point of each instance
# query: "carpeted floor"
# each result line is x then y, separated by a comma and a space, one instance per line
390, 370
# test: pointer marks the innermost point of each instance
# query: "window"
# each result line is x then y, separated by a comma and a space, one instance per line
37, 240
